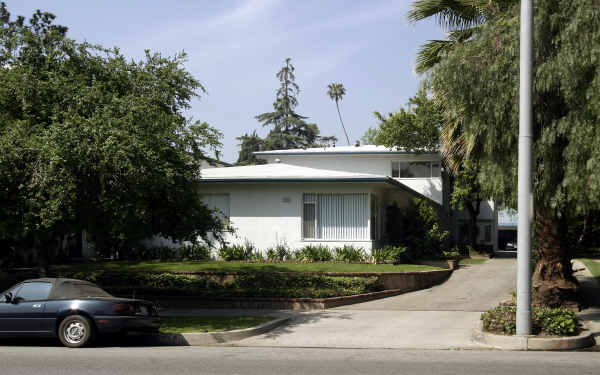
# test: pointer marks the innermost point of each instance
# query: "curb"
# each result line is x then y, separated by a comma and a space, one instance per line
503, 342
212, 338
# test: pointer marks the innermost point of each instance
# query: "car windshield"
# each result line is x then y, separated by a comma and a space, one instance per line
80, 290
10, 290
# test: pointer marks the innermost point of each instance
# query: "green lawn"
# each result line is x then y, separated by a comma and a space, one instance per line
592, 265
221, 266
190, 324
472, 260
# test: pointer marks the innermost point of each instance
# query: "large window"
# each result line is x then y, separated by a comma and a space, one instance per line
415, 169
219, 203
335, 216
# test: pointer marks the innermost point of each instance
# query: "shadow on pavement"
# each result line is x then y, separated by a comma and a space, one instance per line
305, 318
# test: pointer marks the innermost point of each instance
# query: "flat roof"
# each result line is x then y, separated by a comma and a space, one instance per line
287, 173
344, 150
277, 171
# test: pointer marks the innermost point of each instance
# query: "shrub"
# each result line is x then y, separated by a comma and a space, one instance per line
279, 285
314, 253
279, 253
152, 253
275, 285
246, 251
451, 254
417, 228
194, 252
390, 254
349, 253
548, 321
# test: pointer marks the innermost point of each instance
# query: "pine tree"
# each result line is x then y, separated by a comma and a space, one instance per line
288, 128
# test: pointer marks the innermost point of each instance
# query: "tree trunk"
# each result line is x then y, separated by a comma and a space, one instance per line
42, 255
343, 127
473, 213
553, 283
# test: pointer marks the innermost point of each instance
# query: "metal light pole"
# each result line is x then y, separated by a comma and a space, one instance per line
525, 203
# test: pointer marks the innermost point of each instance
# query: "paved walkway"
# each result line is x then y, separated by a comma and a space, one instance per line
414, 320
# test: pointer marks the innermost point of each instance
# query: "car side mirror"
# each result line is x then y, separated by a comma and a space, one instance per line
8, 297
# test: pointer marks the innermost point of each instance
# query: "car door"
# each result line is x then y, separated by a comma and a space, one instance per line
7, 310
25, 313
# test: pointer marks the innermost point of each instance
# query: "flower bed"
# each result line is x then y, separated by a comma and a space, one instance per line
545, 321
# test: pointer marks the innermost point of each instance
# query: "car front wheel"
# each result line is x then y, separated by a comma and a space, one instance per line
75, 331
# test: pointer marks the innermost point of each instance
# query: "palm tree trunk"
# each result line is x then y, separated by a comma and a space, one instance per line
343, 127
553, 283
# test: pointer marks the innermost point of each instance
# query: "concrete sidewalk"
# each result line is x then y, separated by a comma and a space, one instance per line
373, 329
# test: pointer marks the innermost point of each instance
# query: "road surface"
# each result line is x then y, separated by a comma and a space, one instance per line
266, 361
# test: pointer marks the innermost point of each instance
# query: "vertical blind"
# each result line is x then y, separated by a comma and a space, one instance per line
336, 216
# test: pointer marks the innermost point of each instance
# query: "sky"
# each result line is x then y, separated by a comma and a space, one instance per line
235, 48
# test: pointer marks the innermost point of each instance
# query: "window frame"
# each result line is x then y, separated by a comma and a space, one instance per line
316, 205
23, 285
316, 219
225, 219
430, 162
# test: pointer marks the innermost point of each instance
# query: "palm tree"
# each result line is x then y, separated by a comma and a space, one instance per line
336, 92
460, 18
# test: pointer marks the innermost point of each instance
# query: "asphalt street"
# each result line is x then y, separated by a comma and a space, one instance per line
50, 360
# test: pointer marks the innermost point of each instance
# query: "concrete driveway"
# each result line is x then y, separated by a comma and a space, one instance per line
441, 317
470, 288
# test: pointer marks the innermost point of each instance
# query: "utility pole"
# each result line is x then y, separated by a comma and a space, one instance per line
525, 203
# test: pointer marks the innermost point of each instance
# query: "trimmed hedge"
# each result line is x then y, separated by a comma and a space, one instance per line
266, 284
546, 321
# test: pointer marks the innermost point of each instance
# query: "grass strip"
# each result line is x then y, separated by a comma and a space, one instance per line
591, 265
197, 324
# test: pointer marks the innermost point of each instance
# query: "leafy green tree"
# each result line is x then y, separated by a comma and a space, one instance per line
415, 129
91, 141
467, 195
480, 80
418, 129
370, 136
336, 92
417, 228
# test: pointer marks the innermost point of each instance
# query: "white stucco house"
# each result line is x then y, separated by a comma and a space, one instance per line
332, 196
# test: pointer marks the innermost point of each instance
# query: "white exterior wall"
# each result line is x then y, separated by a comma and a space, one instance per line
487, 215
368, 164
267, 214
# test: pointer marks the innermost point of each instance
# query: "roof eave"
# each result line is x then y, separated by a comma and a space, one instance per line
287, 153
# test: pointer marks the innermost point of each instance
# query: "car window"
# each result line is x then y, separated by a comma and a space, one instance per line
79, 290
34, 291
12, 290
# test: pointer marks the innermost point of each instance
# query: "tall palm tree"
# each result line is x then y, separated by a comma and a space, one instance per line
336, 91
460, 18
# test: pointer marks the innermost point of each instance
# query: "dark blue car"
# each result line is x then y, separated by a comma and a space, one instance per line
74, 310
